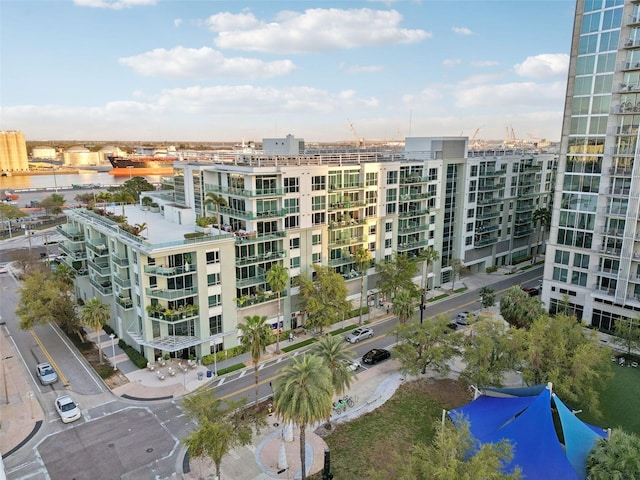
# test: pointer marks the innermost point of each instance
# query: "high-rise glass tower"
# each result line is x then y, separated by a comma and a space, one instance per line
593, 257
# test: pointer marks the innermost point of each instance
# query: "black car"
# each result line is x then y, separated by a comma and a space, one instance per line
531, 291
376, 355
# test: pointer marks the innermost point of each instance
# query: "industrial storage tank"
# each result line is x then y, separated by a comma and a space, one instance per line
79, 155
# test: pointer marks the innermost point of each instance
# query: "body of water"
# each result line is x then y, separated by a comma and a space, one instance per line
66, 180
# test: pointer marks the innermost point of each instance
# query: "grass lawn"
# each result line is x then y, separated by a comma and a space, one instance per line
374, 443
619, 401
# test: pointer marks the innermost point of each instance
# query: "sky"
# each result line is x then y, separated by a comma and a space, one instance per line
214, 70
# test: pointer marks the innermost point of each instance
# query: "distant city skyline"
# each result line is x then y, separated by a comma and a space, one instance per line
190, 71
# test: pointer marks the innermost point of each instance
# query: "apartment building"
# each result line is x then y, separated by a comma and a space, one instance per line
593, 261
179, 288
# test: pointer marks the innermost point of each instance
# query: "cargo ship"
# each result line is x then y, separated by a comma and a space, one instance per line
141, 165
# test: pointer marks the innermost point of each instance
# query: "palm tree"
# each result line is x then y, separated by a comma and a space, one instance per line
403, 305
542, 217
141, 227
122, 196
95, 314
213, 198
428, 256
277, 278
363, 260
616, 457
457, 266
302, 394
255, 336
334, 354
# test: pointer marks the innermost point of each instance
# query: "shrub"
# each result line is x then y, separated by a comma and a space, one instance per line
107, 328
232, 368
193, 235
439, 297
491, 269
134, 355
306, 342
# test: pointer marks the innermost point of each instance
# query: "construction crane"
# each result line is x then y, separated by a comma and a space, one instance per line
359, 141
473, 142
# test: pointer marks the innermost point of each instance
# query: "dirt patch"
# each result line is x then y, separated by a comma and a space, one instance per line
112, 378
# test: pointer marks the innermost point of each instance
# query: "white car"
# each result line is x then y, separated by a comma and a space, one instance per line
353, 365
361, 333
46, 374
3, 268
68, 410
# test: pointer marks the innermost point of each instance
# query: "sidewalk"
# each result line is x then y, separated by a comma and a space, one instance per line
22, 416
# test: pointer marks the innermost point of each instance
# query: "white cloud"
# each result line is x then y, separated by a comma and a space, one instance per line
462, 31
114, 4
177, 22
485, 63
201, 63
360, 68
511, 96
545, 65
313, 30
451, 62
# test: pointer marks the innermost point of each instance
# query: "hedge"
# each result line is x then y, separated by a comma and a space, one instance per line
223, 355
232, 368
304, 343
439, 297
134, 355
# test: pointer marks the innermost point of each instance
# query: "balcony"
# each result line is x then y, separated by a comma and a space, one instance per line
628, 87
75, 254
73, 234
102, 269
347, 186
247, 193
403, 247
122, 282
124, 302
525, 208
338, 242
347, 205
169, 271
251, 281
263, 297
171, 294
413, 179
118, 260
248, 215
491, 173
338, 262
173, 316
486, 215
415, 196
631, 43
98, 246
630, 65
104, 287
485, 241
346, 223
413, 213
613, 232
490, 187
610, 251
608, 272
260, 257
621, 172
490, 201
254, 237
414, 228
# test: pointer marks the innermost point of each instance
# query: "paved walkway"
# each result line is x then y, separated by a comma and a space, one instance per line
22, 416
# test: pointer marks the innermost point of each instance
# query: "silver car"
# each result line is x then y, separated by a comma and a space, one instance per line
68, 410
46, 374
361, 333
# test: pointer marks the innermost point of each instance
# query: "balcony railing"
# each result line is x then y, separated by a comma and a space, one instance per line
76, 254
485, 241
104, 288
253, 237
125, 302
243, 192
250, 281
72, 234
232, 212
346, 186
171, 294
171, 316
337, 262
620, 171
101, 269
123, 261
347, 240
413, 213
403, 247
122, 282
413, 179
98, 246
169, 271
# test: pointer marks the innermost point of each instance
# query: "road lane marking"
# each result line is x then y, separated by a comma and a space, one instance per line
63, 379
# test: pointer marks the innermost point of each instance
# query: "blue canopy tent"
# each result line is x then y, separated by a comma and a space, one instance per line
527, 422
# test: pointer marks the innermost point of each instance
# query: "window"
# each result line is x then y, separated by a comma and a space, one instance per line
213, 257
294, 262
579, 278
391, 208
153, 281
371, 179
294, 242
316, 258
291, 205
392, 195
387, 243
291, 185
316, 239
319, 202
215, 300
470, 213
372, 246
371, 211
392, 177
319, 183
372, 197
372, 229
581, 260
468, 240
215, 325
433, 174
292, 221
213, 279
562, 257
474, 170
388, 227
318, 218
469, 227
560, 274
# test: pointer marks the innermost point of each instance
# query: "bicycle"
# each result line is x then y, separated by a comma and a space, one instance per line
347, 400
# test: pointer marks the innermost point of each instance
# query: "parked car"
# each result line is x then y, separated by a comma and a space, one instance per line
46, 374
353, 365
462, 318
361, 333
531, 291
68, 410
452, 325
3, 269
376, 355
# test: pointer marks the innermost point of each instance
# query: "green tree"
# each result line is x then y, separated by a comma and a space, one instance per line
541, 216
519, 309
66, 275
431, 344
429, 256
52, 204
627, 334
123, 196
332, 349
10, 212
220, 427
255, 336
95, 314
454, 454
43, 299
135, 186
396, 275
488, 354
487, 297
302, 395
404, 304
559, 350
324, 298
277, 278
457, 267
615, 458
212, 198
363, 261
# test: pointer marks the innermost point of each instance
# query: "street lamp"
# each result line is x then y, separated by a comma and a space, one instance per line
113, 350
4, 370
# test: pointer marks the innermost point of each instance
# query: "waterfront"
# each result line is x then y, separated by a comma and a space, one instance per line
65, 181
